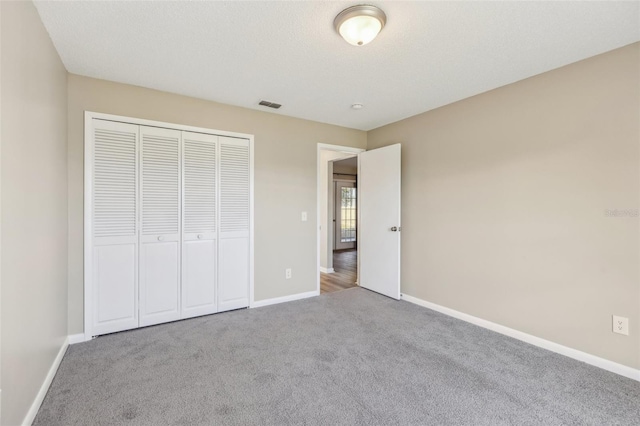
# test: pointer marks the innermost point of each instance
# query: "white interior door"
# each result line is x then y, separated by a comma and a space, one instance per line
160, 236
379, 225
345, 215
200, 238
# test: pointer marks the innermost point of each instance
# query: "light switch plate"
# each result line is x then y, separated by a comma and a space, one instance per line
304, 216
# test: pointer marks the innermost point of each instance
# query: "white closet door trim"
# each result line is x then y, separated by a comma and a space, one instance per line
88, 225
173, 126
89, 116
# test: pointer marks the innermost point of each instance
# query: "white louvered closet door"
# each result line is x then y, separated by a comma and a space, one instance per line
114, 293
200, 230
234, 190
160, 225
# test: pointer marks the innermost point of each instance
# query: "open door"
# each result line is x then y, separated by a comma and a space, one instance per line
379, 226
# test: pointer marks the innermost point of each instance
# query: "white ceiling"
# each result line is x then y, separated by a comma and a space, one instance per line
429, 54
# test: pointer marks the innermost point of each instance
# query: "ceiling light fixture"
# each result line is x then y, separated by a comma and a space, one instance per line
359, 25
357, 106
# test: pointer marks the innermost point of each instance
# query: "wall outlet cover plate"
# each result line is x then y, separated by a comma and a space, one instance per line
621, 325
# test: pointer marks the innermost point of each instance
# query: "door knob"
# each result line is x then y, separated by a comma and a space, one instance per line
160, 238
199, 236
394, 229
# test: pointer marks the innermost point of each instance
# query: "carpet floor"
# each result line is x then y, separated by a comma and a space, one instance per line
350, 357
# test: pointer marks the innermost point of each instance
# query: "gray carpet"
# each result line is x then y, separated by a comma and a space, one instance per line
352, 357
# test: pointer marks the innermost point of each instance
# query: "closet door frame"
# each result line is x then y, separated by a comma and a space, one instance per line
89, 116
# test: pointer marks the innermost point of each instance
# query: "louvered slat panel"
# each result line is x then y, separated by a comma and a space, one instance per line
199, 185
114, 181
160, 181
234, 188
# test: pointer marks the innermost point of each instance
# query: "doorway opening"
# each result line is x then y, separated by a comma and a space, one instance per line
337, 218
344, 219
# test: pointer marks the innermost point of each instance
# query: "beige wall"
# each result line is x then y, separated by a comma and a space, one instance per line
285, 177
34, 207
504, 199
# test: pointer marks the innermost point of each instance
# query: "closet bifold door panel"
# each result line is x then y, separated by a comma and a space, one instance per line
233, 258
160, 194
114, 232
199, 234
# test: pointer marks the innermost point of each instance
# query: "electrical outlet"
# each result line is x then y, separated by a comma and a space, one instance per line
304, 216
287, 273
621, 325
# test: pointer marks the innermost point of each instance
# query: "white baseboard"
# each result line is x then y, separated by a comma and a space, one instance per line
276, 300
76, 338
596, 361
37, 402
327, 270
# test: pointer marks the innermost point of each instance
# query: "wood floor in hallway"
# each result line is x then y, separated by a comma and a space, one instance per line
345, 264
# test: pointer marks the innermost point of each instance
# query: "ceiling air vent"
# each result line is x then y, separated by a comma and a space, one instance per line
270, 104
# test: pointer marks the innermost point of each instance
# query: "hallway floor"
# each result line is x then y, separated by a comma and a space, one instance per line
345, 264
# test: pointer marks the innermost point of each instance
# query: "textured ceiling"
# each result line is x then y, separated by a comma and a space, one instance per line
430, 53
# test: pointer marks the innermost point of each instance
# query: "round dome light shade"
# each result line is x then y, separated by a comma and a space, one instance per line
358, 25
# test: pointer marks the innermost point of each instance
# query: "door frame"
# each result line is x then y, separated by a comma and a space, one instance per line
326, 147
88, 197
